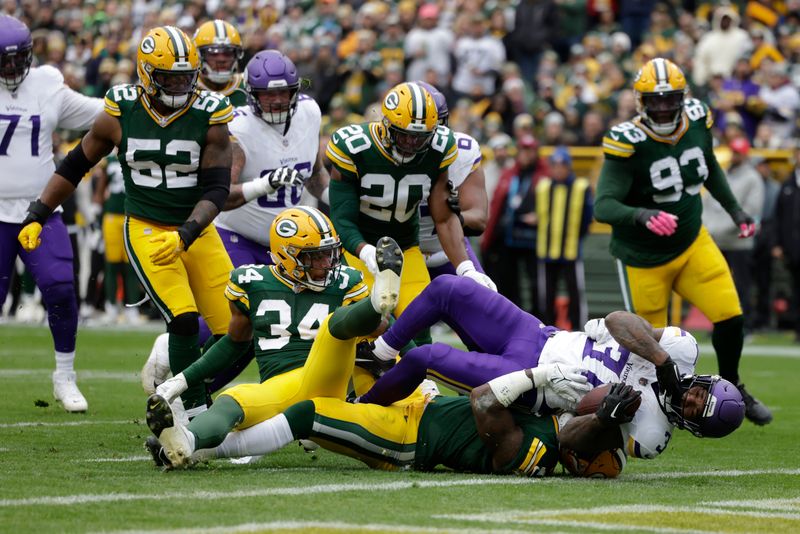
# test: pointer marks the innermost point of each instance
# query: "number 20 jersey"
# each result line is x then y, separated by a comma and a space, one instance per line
160, 157
265, 149
667, 174
28, 118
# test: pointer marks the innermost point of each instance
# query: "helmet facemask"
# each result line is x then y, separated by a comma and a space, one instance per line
218, 54
315, 268
405, 144
722, 407
173, 88
14, 67
274, 105
661, 111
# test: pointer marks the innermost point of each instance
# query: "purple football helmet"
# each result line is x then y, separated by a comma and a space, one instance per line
273, 85
16, 52
722, 413
439, 100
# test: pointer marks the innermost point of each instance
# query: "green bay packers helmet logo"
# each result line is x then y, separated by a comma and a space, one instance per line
148, 45
286, 228
392, 100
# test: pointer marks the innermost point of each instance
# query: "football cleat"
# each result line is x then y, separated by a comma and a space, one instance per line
367, 360
153, 446
386, 289
156, 369
66, 391
754, 409
174, 437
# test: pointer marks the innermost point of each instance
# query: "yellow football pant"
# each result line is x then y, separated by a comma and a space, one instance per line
113, 225
195, 282
700, 275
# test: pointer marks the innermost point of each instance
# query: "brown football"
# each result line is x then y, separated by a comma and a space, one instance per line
592, 401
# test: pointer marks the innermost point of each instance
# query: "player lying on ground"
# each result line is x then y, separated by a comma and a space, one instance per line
266, 302
502, 339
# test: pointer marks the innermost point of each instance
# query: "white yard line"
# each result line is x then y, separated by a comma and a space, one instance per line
122, 376
65, 423
328, 525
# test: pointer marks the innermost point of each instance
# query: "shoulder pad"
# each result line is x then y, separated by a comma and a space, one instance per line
354, 275
217, 105
246, 274
621, 140
351, 280
119, 96
697, 111
345, 143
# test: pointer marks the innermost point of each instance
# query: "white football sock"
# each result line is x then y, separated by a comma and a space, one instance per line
384, 351
65, 361
263, 438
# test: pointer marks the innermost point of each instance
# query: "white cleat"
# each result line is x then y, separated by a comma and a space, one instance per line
66, 391
175, 438
386, 289
156, 369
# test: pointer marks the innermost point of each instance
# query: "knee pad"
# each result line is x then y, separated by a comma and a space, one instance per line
184, 324
61, 294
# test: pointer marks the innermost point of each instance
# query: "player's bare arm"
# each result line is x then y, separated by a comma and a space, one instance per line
216, 155
474, 202
495, 424
235, 196
448, 227
586, 434
319, 180
636, 335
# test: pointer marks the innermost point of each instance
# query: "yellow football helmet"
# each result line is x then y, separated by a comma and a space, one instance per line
660, 89
220, 48
409, 121
167, 65
306, 247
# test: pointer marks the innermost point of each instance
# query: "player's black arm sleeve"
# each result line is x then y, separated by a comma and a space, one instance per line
717, 185
612, 188
586, 434
344, 212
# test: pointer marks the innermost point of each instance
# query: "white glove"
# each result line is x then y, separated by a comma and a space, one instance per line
596, 329
172, 388
367, 255
467, 269
271, 182
565, 381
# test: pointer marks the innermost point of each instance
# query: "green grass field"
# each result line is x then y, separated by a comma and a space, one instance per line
67, 473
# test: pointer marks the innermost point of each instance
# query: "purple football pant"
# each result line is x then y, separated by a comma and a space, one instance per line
242, 251
448, 268
51, 267
501, 338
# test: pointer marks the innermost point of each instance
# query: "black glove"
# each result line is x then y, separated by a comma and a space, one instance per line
284, 177
366, 359
745, 223
614, 408
669, 378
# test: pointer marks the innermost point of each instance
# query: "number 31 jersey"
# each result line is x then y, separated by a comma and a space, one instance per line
28, 118
265, 149
667, 173
160, 156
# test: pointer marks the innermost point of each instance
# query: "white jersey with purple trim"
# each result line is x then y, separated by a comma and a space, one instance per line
28, 118
468, 159
650, 431
265, 149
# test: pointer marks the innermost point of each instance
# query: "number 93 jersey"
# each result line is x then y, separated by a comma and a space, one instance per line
605, 363
389, 194
160, 156
28, 118
265, 149
667, 173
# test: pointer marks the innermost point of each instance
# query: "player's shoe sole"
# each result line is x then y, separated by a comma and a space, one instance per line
153, 446
386, 289
172, 436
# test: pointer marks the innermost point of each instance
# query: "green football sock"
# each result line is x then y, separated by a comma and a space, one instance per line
110, 281
356, 320
211, 427
183, 351
301, 418
133, 289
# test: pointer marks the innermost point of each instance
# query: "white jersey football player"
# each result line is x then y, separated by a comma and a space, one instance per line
276, 155
468, 196
33, 103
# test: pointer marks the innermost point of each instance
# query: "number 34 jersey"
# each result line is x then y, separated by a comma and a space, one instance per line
160, 156
28, 118
666, 173
286, 317
266, 148
605, 363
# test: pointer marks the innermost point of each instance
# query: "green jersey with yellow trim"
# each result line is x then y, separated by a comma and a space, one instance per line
286, 317
644, 170
115, 202
448, 436
235, 91
160, 156
377, 197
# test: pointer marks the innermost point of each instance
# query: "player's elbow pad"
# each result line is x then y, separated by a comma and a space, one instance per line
75, 165
216, 183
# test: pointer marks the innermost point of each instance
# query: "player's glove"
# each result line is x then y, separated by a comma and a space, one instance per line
613, 410
38, 213
172, 388
567, 382
596, 329
467, 269
669, 378
367, 255
367, 360
271, 182
659, 222
170, 249
746, 224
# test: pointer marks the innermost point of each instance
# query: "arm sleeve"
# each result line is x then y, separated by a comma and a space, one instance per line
344, 213
613, 186
717, 185
218, 358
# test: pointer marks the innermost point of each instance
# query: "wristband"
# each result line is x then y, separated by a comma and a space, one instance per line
464, 267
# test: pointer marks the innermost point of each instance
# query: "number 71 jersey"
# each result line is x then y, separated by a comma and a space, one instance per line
666, 173
160, 156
